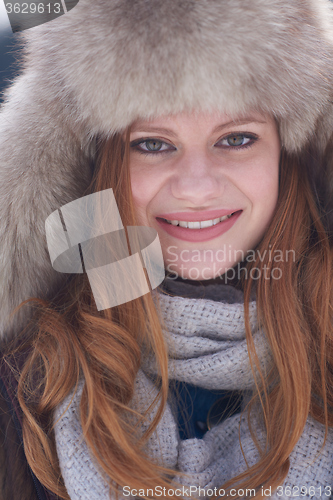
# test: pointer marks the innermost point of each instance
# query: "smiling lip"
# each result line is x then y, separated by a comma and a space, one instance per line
198, 216
197, 235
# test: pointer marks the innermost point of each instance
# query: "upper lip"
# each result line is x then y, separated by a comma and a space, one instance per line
198, 216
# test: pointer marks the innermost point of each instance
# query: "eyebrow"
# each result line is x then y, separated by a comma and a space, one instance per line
159, 130
156, 130
245, 121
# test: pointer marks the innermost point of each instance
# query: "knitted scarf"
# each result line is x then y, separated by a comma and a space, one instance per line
206, 341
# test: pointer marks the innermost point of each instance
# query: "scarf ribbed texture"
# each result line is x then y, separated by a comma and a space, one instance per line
207, 346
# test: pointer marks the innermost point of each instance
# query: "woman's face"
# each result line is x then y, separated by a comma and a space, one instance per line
208, 184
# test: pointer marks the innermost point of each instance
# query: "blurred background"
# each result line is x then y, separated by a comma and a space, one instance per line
8, 66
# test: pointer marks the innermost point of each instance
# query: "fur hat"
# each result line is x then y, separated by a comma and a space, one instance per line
105, 63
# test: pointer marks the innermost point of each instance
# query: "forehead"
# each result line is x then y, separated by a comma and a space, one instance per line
210, 121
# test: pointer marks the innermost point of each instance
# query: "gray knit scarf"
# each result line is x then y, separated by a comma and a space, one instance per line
206, 340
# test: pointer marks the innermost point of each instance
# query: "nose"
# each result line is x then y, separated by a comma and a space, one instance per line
196, 179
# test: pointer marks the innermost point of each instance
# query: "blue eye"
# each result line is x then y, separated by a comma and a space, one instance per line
236, 141
151, 146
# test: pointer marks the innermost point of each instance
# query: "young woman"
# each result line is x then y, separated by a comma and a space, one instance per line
211, 122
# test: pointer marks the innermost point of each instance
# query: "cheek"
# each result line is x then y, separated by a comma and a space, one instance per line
140, 196
262, 189
142, 188
260, 177
146, 191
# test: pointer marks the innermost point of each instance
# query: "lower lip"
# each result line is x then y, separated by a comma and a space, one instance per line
205, 234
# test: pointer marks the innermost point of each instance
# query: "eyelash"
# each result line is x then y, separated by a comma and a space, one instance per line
136, 143
253, 138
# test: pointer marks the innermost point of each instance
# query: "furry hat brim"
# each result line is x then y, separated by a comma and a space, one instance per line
106, 63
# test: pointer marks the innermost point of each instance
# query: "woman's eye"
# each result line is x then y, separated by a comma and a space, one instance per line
151, 146
236, 141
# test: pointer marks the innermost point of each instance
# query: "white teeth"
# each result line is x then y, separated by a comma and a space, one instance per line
194, 225
206, 223
199, 224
